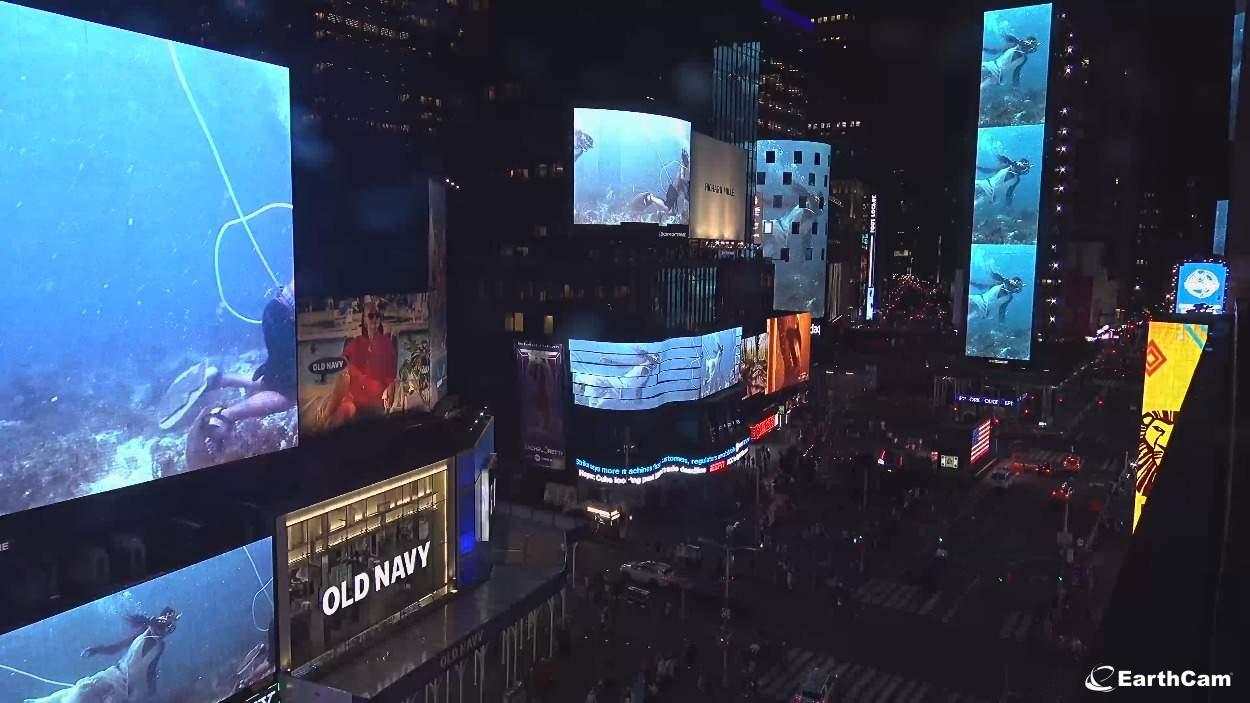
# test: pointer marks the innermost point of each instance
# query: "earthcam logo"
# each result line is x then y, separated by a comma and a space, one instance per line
1099, 678
1105, 679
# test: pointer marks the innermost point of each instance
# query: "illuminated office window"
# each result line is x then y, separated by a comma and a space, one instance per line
549, 324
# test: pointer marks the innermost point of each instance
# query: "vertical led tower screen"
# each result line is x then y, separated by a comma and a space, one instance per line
1007, 185
630, 167
792, 191
1239, 38
147, 307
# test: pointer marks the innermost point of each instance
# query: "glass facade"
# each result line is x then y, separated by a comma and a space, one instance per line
370, 533
736, 102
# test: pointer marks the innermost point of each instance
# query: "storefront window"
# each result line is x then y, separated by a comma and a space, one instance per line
402, 527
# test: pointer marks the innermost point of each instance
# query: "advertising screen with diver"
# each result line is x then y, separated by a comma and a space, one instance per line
362, 358
1007, 184
147, 314
196, 635
630, 167
793, 194
1015, 60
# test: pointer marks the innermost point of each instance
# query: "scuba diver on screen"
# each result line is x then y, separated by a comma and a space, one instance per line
133, 677
993, 300
1003, 179
1009, 60
677, 189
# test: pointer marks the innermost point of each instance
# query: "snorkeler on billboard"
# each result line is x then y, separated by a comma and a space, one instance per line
994, 299
141, 655
679, 188
1003, 179
1009, 60
270, 389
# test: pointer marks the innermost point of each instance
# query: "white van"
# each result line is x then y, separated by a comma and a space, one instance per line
1002, 477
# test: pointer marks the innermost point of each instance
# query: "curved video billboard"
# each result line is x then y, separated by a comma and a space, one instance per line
792, 194
630, 167
147, 310
1007, 186
197, 635
789, 350
645, 375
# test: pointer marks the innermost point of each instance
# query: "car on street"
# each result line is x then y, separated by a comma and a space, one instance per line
817, 687
1002, 478
1061, 493
656, 573
1044, 469
1073, 463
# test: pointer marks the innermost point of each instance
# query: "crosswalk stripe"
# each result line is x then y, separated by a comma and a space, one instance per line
894, 682
865, 587
901, 596
789, 674
902, 695
882, 593
1009, 625
779, 668
873, 693
1023, 629
928, 605
853, 694
919, 694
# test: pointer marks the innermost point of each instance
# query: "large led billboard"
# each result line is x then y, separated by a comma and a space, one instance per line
645, 375
630, 167
792, 192
1200, 287
754, 366
196, 635
789, 350
540, 370
1172, 354
147, 306
1220, 230
718, 193
1007, 184
366, 357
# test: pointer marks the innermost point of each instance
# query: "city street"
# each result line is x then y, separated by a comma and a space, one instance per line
986, 627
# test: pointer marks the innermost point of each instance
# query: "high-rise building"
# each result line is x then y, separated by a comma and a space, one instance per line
843, 104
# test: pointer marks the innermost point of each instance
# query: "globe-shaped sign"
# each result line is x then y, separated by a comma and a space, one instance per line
1202, 283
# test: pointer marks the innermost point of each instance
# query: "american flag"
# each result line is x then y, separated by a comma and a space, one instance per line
980, 442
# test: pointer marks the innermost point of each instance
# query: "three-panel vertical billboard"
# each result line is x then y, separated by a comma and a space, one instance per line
1007, 185
540, 369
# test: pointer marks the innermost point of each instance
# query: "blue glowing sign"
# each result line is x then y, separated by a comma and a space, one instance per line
1221, 228
1200, 287
669, 464
1007, 184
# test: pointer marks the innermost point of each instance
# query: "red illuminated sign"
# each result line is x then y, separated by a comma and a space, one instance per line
763, 427
717, 466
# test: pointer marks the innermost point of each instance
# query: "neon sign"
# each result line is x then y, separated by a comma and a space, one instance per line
763, 427
638, 475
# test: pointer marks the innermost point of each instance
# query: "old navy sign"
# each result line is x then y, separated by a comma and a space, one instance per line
385, 574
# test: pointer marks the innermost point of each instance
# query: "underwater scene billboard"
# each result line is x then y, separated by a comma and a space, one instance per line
366, 357
147, 314
645, 375
196, 635
630, 167
1007, 185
